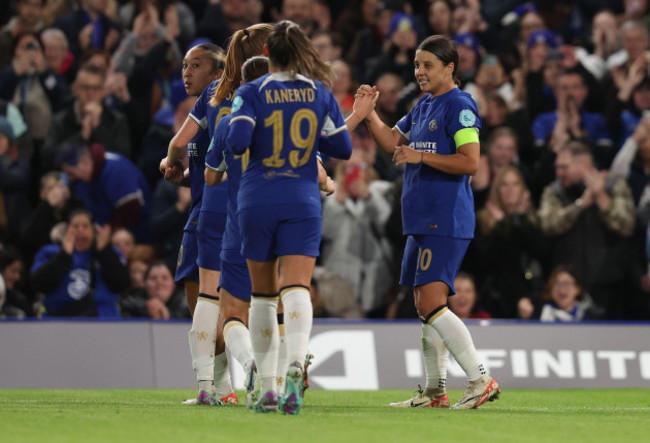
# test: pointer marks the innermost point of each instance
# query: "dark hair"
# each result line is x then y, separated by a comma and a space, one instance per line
291, 49
574, 71
577, 148
22, 35
81, 211
254, 67
8, 255
216, 53
89, 68
467, 276
444, 49
502, 131
156, 264
548, 289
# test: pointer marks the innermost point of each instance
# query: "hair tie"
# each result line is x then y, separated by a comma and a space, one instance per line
246, 34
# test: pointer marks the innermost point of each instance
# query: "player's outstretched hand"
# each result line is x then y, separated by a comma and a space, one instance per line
403, 154
174, 173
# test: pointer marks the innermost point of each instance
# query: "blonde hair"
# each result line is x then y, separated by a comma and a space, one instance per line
484, 217
291, 49
243, 45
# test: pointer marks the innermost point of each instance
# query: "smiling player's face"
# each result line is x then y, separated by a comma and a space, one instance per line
431, 74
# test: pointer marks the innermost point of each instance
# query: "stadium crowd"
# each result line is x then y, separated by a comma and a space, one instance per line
91, 94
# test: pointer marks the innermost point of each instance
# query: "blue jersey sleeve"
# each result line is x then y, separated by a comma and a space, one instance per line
200, 110
242, 121
338, 145
334, 140
334, 122
404, 125
215, 154
462, 113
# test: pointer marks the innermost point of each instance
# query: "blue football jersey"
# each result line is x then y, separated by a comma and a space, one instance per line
434, 202
236, 165
207, 117
287, 115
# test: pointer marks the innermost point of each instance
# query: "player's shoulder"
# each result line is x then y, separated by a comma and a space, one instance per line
223, 123
254, 86
461, 98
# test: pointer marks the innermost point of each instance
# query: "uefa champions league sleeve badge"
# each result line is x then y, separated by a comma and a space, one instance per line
467, 118
236, 104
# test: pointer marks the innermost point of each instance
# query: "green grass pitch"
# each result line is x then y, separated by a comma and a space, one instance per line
618, 416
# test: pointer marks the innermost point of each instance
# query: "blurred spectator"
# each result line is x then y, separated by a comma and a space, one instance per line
170, 210
30, 85
605, 40
124, 241
343, 87
634, 41
398, 52
464, 301
55, 8
357, 15
336, 294
542, 67
110, 185
19, 127
529, 22
186, 21
566, 299
590, 216
470, 52
304, 13
161, 131
82, 276
632, 163
55, 205
509, 245
368, 42
14, 183
28, 19
141, 257
466, 18
389, 86
439, 17
88, 119
501, 152
570, 121
16, 304
148, 56
88, 26
354, 245
632, 99
327, 48
59, 58
221, 18
160, 299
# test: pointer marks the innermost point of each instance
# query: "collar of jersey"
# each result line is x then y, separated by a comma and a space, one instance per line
285, 77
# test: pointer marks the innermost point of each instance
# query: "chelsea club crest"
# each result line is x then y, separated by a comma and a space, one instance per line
467, 118
433, 125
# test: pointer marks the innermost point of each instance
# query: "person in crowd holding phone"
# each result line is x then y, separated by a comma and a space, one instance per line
82, 276
30, 85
